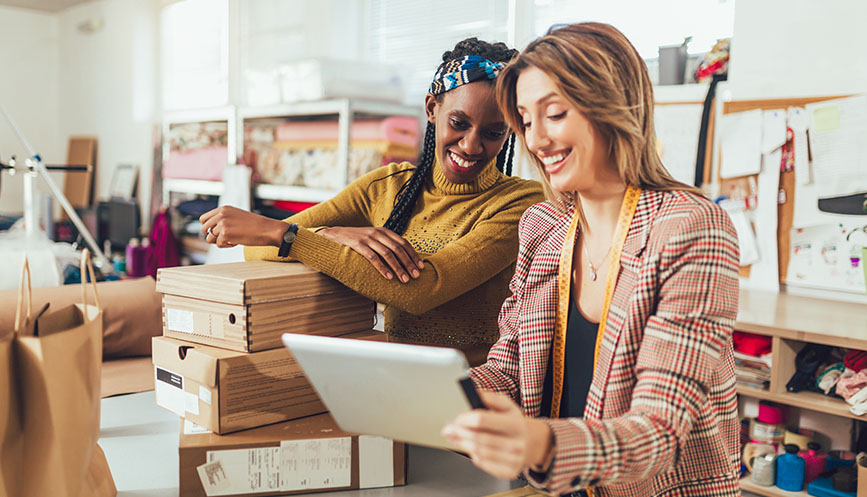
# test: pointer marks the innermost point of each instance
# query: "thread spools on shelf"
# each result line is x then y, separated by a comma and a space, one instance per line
764, 470
766, 433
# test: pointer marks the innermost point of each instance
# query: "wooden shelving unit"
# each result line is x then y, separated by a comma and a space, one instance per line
793, 321
747, 485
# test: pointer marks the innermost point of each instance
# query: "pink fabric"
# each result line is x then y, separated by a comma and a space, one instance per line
401, 130
163, 250
205, 163
851, 382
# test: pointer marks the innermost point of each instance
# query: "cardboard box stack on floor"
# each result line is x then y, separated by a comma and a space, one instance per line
222, 368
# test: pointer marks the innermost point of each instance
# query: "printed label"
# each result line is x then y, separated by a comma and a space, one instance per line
179, 320
249, 471
169, 390
315, 464
191, 428
213, 478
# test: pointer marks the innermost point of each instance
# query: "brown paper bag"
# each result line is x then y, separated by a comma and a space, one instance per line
56, 360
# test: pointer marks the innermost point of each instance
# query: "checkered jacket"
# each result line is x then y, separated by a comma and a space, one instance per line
661, 414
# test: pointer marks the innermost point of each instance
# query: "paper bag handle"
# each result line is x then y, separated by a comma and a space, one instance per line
87, 265
22, 298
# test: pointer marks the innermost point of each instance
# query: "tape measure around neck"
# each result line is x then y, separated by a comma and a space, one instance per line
624, 220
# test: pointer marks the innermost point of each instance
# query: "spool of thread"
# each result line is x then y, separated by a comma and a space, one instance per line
764, 470
766, 433
771, 413
753, 450
800, 437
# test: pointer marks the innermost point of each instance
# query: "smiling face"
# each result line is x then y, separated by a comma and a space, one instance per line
470, 130
573, 152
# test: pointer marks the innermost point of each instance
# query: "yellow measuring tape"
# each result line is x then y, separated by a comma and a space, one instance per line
624, 219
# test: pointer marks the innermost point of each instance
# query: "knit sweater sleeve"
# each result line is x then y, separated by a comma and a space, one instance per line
352, 206
489, 248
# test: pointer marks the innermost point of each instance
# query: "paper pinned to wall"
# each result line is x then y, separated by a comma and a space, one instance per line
837, 137
773, 130
799, 121
749, 251
677, 129
741, 143
765, 273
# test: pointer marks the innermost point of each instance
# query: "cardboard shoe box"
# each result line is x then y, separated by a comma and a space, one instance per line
226, 391
246, 306
300, 456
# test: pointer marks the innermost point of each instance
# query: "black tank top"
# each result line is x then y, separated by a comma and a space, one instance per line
578, 371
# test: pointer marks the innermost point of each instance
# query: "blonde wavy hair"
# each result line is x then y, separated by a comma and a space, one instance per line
597, 70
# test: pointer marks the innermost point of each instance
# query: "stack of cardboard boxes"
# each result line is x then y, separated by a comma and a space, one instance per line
222, 368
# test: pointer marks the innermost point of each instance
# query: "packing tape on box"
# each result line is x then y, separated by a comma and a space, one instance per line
755, 449
771, 413
766, 433
800, 437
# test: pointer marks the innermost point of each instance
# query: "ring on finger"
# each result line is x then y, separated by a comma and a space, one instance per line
211, 232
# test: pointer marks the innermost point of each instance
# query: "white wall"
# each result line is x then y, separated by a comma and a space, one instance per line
796, 48
109, 85
29, 92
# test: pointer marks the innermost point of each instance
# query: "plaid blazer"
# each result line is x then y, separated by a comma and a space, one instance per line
661, 414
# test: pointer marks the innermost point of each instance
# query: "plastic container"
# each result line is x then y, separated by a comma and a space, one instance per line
816, 461
764, 470
790, 470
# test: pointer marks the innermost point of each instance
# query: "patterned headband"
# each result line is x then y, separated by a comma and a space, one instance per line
461, 71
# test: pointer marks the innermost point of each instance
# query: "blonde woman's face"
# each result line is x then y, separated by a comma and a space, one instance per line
572, 151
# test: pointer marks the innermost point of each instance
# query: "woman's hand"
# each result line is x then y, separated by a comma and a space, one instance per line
501, 440
228, 226
389, 252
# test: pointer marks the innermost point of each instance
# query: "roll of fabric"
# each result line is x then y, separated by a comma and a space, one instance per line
766, 433
771, 413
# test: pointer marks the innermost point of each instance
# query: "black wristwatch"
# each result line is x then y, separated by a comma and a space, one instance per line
288, 238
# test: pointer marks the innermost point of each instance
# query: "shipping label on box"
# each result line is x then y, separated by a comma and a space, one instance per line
307, 454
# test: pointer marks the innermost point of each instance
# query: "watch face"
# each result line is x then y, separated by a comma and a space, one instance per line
289, 236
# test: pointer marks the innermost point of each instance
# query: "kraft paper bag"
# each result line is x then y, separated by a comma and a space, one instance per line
56, 359
10, 424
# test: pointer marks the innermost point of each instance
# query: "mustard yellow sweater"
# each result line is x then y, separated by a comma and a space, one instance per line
465, 233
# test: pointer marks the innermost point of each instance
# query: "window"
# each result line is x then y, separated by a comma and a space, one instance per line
414, 34
194, 46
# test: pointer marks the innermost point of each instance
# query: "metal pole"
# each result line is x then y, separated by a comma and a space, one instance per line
35, 165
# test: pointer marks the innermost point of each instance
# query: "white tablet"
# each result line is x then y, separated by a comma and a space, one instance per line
402, 392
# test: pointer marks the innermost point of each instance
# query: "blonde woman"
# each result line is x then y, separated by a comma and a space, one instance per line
616, 340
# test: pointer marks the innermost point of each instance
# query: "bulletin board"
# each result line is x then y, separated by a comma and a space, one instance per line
785, 211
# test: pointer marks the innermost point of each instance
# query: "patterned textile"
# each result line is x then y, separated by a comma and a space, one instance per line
461, 71
661, 415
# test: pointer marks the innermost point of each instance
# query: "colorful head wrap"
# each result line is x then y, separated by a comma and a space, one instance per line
461, 71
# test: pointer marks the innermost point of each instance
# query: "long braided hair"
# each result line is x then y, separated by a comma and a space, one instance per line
406, 197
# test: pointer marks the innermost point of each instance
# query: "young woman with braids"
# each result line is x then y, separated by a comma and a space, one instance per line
436, 243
